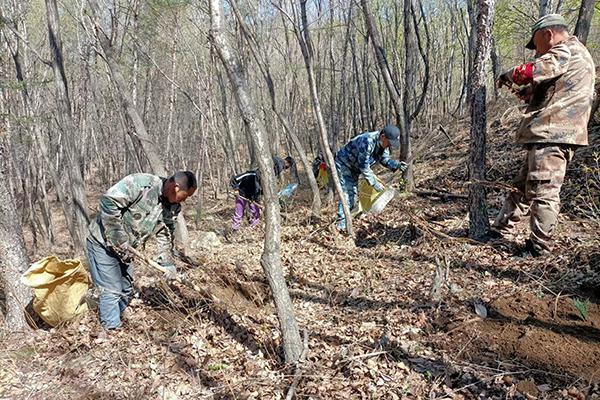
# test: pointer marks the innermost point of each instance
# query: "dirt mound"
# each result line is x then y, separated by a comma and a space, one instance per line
545, 333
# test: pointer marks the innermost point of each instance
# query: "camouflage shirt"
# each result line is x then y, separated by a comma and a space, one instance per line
562, 96
132, 210
363, 151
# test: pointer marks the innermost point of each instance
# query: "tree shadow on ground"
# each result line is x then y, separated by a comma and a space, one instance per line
377, 234
160, 299
351, 299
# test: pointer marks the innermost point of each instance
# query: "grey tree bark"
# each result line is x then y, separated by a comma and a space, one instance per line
79, 219
382, 63
545, 7
271, 258
14, 259
584, 20
265, 70
303, 35
141, 136
478, 214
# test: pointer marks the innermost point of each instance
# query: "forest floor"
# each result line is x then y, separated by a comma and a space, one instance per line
375, 329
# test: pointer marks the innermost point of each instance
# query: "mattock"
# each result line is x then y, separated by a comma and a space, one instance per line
180, 277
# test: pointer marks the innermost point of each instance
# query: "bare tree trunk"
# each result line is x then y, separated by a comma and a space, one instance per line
382, 63
265, 70
403, 117
12, 247
478, 215
230, 138
496, 66
141, 136
545, 7
303, 35
271, 258
584, 20
79, 219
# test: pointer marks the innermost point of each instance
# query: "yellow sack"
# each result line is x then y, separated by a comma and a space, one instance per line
58, 287
366, 196
322, 178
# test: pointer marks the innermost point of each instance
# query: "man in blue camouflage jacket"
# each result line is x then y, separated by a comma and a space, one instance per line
136, 207
357, 157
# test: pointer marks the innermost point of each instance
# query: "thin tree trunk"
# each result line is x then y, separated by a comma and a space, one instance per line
79, 219
271, 258
14, 257
584, 20
478, 215
545, 7
303, 35
265, 70
141, 136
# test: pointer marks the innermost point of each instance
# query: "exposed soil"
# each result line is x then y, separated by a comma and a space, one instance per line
545, 332
375, 328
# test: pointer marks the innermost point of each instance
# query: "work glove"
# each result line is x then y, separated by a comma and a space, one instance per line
378, 186
505, 79
524, 94
171, 272
167, 263
402, 166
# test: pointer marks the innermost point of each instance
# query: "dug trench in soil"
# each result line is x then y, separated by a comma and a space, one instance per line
542, 332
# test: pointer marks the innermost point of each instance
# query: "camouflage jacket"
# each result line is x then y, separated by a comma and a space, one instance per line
132, 210
562, 96
363, 151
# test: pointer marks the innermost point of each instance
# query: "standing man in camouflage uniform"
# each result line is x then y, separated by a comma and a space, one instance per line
136, 207
559, 88
357, 157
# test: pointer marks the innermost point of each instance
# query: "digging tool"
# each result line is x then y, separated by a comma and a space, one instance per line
181, 277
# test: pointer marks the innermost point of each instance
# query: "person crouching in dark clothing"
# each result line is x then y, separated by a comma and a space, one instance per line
249, 192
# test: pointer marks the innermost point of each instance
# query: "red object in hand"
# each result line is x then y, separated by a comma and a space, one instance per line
523, 74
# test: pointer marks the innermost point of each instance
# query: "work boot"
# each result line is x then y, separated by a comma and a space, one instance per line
532, 250
494, 234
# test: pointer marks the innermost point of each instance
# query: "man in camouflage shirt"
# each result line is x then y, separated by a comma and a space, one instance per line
559, 89
357, 157
138, 206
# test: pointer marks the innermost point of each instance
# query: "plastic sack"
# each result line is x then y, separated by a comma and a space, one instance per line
382, 200
287, 192
58, 287
372, 201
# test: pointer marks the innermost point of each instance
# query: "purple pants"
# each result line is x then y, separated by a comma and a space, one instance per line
240, 208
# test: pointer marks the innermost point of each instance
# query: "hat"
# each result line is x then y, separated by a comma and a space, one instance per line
392, 133
544, 22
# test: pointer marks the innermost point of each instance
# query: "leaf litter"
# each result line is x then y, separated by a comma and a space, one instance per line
375, 330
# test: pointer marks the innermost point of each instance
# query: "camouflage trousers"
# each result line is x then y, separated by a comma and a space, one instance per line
538, 192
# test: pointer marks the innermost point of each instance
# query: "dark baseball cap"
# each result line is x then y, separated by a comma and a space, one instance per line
544, 22
392, 133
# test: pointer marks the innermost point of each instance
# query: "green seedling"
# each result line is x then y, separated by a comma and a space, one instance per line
583, 306
217, 366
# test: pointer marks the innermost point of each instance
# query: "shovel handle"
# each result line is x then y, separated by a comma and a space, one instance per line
148, 261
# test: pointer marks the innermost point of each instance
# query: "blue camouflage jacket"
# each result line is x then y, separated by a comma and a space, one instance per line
363, 151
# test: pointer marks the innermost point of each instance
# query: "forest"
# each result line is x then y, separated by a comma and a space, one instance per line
415, 300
